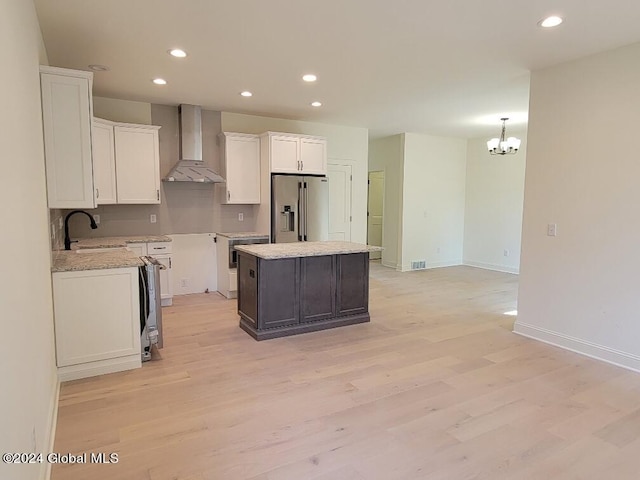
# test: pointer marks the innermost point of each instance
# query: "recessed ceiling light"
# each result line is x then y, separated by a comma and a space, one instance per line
99, 68
309, 77
246, 93
316, 104
159, 81
176, 52
552, 21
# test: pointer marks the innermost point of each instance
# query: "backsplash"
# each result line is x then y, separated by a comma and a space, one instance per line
56, 229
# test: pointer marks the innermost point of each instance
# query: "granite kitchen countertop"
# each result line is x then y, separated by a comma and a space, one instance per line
272, 251
101, 252
74, 260
110, 242
242, 234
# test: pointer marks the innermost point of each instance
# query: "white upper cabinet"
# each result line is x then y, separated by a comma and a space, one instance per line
313, 155
67, 113
137, 163
284, 153
104, 162
240, 159
299, 154
126, 162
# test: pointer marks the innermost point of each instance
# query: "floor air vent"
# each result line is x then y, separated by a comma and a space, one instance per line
419, 265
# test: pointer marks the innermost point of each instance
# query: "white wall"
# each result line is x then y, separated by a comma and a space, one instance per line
345, 145
580, 289
386, 154
433, 200
493, 206
27, 361
193, 259
122, 110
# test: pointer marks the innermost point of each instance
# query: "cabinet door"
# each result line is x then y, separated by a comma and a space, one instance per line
166, 287
137, 164
66, 116
317, 288
242, 162
89, 325
104, 162
140, 249
284, 151
353, 283
313, 156
280, 279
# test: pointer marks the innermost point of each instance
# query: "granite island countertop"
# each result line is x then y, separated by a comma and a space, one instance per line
75, 260
271, 251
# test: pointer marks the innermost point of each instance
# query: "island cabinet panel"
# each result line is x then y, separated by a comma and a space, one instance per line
353, 283
318, 288
286, 296
248, 289
279, 298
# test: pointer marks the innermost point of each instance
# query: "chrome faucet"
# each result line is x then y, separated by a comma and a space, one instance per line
67, 240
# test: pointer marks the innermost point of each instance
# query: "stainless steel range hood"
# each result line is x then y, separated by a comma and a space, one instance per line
190, 167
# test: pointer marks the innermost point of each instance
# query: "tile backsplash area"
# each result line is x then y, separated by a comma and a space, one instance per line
56, 229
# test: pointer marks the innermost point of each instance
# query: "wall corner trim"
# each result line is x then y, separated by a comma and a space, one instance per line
45, 472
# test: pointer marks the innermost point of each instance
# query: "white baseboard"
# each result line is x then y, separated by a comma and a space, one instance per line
101, 367
593, 350
52, 421
389, 265
491, 266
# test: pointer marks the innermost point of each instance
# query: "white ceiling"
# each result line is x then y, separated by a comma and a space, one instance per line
448, 67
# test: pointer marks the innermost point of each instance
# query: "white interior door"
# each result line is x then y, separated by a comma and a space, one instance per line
374, 210
339, 202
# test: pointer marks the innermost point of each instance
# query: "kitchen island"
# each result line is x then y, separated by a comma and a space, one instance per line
291, 288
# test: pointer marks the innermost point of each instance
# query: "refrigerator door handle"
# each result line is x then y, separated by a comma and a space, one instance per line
301, 213
306, 206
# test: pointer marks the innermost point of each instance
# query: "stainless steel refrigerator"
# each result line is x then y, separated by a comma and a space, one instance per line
299, 208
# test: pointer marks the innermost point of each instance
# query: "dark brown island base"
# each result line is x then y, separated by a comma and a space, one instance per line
291, 288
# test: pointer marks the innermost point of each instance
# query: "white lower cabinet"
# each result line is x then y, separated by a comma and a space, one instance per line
140, 249
166, 290
97, 321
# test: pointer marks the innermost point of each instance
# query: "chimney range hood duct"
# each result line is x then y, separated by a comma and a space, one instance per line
190, 167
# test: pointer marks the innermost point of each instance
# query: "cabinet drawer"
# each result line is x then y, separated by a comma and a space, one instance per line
158, 248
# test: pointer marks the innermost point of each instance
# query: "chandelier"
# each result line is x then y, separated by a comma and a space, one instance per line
502, 146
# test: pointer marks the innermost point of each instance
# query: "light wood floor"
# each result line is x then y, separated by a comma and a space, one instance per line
435, 387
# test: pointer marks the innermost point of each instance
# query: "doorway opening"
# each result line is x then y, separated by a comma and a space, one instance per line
375, 207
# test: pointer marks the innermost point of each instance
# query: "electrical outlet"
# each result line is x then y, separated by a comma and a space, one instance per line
241, 217
552, 229
506, 252
96, 218
184, 282
152, 218
60, 222
53, 232
438, 250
